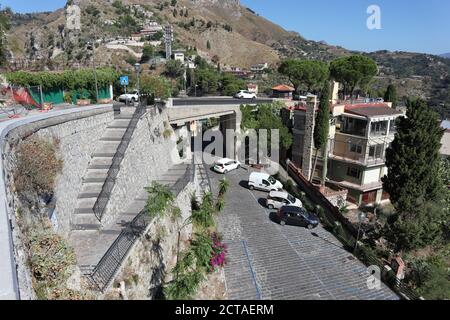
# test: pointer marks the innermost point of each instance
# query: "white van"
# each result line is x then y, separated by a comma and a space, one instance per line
264, 182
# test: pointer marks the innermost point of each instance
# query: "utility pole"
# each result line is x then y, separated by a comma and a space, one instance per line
93, 62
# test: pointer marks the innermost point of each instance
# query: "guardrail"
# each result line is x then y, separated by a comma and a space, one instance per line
103, 199
105, 271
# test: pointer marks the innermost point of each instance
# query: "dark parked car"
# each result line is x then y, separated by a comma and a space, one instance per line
296, 216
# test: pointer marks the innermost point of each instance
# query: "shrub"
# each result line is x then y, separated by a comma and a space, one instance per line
51, 259
37, 167
160, 197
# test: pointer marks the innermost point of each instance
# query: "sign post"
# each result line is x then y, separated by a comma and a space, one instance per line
124, 82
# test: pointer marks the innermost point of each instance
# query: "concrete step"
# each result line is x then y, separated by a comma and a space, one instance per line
90, 190
124, 116
106, 149
95, 176
86, 227
85, 222
87, 203
100, 163
113, 134
135, 208
119, 124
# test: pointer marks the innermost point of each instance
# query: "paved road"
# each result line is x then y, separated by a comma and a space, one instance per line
203, 101
268, 261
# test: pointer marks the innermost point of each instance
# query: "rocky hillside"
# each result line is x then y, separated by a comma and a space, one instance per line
221, 30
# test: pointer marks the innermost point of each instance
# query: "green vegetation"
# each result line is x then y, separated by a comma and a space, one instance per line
5, 25
67, 80
147, 53
155, 87
174, 69
391, 95
304, 75
322, 129
353, 72
160, 198
51, 262
37, 167
413, 182
266, 116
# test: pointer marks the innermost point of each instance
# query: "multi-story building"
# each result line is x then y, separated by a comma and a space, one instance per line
360, 133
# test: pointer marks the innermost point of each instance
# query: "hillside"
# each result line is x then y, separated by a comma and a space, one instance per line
237, 37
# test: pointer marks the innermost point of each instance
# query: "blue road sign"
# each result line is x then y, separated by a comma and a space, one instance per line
124, 80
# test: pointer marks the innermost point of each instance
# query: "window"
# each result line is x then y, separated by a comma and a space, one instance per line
355, 148
379, 128
376, 152
353, 172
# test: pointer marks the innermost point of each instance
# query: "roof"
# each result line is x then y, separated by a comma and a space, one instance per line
445, 124
445, 149
224, 161
278, 194
283, 87
370, 110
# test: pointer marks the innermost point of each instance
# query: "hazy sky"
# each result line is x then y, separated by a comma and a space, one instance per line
409, 25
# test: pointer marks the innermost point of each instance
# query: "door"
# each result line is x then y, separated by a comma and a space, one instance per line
265, 185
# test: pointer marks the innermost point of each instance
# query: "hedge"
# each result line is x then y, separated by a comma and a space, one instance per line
67, 80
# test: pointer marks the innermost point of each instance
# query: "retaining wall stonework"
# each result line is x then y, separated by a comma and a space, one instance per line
78, 141
148, 157
154, 255
70, 127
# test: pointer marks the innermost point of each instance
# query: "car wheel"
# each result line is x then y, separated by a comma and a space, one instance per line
225, 172
310, 226
283, 223
251, 188
270, 206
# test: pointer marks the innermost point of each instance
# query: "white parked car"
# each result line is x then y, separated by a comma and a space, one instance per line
277, 199
264, 182
226, 165
244, 94
132, 97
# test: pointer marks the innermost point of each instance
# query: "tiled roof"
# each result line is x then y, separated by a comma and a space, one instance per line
371, 110
283, 87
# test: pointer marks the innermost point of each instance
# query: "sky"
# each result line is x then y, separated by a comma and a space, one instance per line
406, 25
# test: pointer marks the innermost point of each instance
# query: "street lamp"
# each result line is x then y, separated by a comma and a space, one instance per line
361, 218
137, 67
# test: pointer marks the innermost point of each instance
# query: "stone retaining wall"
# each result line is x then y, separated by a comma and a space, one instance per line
154, 255
148, 157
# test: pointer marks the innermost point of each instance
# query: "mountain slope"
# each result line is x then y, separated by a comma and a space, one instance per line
237, 36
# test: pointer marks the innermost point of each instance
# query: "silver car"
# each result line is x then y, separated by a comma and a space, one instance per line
277, 200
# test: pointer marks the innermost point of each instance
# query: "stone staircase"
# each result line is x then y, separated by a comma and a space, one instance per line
83, 217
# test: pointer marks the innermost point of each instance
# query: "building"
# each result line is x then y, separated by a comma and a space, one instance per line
178, 55
282, 91
359, 136
260, 67
253, 88
445, 148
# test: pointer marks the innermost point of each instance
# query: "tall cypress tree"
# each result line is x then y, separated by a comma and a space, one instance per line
413, 181
391, 95
322, 129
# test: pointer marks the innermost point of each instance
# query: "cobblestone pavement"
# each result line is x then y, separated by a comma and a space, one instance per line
269, 261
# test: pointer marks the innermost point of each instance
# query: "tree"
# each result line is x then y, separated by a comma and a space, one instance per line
174, 69
391, 95
322, 129
266, 116
414, 181
353, 71
306, 74
207, 80
208, 45
155, 87
147, 53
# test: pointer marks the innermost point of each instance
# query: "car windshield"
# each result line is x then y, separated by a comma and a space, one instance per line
291, 198
272, 180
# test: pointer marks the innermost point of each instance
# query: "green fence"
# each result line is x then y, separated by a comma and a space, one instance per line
56, 96
53, 96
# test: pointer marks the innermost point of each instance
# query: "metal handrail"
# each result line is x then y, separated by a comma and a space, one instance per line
103, 198
109, 264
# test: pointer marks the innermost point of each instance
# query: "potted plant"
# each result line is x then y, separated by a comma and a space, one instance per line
84, 99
